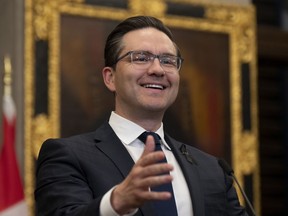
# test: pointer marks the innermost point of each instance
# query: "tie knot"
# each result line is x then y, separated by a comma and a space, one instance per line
144, 135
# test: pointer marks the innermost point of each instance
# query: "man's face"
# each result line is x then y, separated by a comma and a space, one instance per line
140, 90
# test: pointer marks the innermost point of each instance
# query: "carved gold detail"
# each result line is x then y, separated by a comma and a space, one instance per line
89, 11
148, 7
43, 10
40, 131
29, 166
238, 15
42, 19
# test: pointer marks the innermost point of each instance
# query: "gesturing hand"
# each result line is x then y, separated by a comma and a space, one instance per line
134, 191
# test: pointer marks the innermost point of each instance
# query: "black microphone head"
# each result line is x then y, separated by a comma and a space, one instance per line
225, 166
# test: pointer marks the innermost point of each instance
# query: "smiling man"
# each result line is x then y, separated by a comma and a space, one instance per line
130, 166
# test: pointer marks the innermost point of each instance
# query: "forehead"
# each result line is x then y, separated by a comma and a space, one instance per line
149, 39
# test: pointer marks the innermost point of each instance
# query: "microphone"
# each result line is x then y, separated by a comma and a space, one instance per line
229, 171
189, 158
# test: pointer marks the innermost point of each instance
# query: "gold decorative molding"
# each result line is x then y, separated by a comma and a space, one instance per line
233, 15
241, 17
41, 129
89, 11
29, 167
43, 10
148, 7
248, 149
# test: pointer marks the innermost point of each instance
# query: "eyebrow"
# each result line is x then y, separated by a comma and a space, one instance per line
164, 53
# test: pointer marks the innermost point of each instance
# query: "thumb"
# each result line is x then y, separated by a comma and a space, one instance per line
149, 145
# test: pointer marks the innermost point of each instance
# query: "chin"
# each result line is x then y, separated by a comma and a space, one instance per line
154, 108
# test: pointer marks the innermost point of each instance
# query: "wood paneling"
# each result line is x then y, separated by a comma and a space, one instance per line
272, 97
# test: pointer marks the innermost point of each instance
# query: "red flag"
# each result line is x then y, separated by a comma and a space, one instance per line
11, 191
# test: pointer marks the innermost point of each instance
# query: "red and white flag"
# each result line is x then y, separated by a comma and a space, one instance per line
12, 201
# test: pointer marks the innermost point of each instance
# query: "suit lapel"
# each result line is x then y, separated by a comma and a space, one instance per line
190, 170
108, 142
111, 146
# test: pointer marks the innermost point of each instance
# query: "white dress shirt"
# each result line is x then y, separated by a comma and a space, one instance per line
128, 133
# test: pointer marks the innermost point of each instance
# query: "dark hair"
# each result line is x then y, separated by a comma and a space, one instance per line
113, 42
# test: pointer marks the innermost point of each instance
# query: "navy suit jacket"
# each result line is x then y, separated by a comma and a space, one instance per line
74, 173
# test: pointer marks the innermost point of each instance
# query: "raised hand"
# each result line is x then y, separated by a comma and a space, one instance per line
134, 191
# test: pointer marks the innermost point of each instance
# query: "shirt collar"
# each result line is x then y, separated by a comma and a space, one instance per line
123, 127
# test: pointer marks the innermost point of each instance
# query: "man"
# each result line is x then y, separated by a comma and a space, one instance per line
111, 171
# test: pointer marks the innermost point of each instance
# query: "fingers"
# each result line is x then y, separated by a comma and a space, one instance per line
133, 193
147, 173
148, 163
149, 155
153, 181
153, 195
149, 145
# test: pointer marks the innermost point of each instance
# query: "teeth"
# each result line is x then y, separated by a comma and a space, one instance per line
154, 86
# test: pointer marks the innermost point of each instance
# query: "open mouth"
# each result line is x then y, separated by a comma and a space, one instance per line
154, 86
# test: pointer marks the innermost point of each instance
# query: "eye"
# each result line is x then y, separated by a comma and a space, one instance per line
170, 61
140, 57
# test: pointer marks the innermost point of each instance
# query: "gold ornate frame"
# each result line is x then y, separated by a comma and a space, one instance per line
42, 20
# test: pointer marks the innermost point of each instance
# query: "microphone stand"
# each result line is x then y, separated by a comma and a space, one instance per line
227, 169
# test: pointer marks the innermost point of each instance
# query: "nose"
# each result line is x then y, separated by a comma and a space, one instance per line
156, 68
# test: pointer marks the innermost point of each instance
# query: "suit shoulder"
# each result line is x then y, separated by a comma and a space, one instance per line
75, 141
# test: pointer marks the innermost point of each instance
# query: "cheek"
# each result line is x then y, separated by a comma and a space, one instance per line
176, 83
122, 83
175, 80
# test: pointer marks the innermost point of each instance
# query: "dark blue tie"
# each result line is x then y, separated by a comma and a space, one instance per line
166, 207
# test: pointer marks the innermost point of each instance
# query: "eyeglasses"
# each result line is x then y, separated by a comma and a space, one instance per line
144, 59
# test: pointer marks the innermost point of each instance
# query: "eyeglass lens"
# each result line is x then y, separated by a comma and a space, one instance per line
144, 59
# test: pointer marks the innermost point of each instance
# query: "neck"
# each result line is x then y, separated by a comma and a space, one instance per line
149, 121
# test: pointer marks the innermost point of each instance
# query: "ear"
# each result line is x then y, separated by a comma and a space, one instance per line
108, 77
